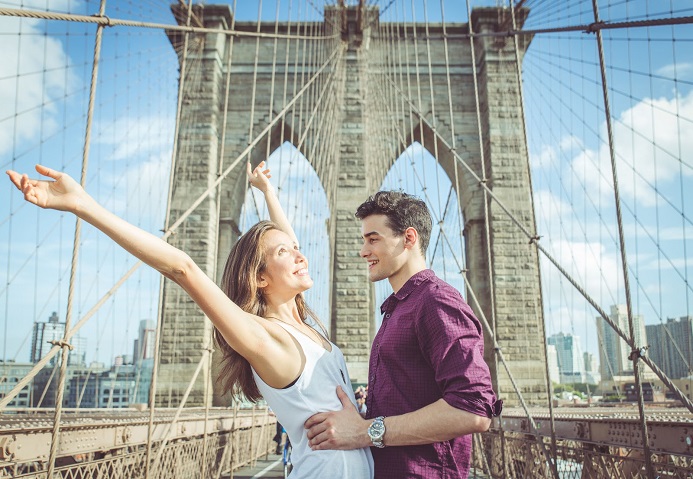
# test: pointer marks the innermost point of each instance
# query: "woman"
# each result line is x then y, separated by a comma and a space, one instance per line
259, 318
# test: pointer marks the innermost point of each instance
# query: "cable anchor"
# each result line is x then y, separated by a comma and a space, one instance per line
62, 343
595, 27
638, 353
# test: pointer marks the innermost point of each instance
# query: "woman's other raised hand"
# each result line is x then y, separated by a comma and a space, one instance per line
259, 177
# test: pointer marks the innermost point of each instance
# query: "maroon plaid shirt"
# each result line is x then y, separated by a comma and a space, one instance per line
429, 346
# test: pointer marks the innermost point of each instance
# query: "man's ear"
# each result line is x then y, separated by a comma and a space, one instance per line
411, 237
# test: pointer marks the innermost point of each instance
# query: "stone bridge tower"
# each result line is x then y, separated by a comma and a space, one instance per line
505, 277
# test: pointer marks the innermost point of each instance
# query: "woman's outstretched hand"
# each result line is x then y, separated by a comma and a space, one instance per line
259, 177
63, 193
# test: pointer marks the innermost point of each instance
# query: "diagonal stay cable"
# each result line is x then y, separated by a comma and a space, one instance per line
667, 382
519, 80
483, 319
64, 345
53, 351
499, 352
170, 430
184, 71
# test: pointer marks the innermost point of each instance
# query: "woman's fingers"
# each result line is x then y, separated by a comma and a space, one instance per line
15, 178
45, 171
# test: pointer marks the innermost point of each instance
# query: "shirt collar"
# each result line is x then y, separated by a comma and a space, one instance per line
406, 289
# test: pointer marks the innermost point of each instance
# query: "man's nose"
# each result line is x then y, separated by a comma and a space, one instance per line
364, 251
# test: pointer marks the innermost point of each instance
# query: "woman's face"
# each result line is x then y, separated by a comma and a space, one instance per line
286, 270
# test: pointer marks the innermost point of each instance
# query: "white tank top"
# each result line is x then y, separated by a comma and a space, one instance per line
316, 391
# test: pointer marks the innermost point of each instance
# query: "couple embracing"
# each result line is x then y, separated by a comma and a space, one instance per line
429, 388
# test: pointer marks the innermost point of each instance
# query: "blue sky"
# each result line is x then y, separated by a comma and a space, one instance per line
44, 81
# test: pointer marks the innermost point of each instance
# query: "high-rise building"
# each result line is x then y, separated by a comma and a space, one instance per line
671, 346
552, 358
10, 374
43, 336
83, 387
570, 360
613, 350
592, 375
144, 344
125, 385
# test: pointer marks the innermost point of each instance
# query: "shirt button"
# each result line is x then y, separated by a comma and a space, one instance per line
387, 315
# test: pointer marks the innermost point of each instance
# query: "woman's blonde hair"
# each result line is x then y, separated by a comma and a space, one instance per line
240, 283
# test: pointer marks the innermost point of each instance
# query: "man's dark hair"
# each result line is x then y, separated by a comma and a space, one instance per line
402, 211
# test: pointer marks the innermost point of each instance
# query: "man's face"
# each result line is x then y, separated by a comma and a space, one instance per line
383, 250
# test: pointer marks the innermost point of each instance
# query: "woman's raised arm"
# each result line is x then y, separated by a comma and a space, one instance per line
246, 333
259, 178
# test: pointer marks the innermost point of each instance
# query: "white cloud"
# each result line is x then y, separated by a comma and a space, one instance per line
679, 70
137, 136
34, 75
545, 158
649, 142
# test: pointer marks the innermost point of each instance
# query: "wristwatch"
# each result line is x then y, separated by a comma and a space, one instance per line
376, 431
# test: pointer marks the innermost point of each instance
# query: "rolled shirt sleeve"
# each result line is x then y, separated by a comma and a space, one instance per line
451, 340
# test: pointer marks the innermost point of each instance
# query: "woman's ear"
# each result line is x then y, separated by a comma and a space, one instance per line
261, 282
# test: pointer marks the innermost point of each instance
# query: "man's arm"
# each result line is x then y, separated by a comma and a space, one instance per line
437, 422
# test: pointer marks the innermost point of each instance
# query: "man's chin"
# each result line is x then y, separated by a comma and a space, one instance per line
374, 277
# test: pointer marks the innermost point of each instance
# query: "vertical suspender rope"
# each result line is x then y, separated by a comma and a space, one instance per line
499, 352
497, 348
154, 470
636, 352
209, 387
270, 108
304, 99
453, 136
453, 148
400, 40
520, 92
167, 219
418, 79
220, 167
252, 101
65, 346
282, 125
487, 231
409, 90
434, 119
392, 102
295, 81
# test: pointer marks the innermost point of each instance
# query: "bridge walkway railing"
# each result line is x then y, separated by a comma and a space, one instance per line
113, 444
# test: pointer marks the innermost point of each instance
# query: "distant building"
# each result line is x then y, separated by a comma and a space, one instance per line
552, 358
83, 387
144, 344
613, 350
570, 360
592, 375
650, 392
671, 346
44, 333
10, 374
46, 385
125, 385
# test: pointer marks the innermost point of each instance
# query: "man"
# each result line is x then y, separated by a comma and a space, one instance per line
429, 387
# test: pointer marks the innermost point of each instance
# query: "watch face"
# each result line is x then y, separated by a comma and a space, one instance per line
377, 429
